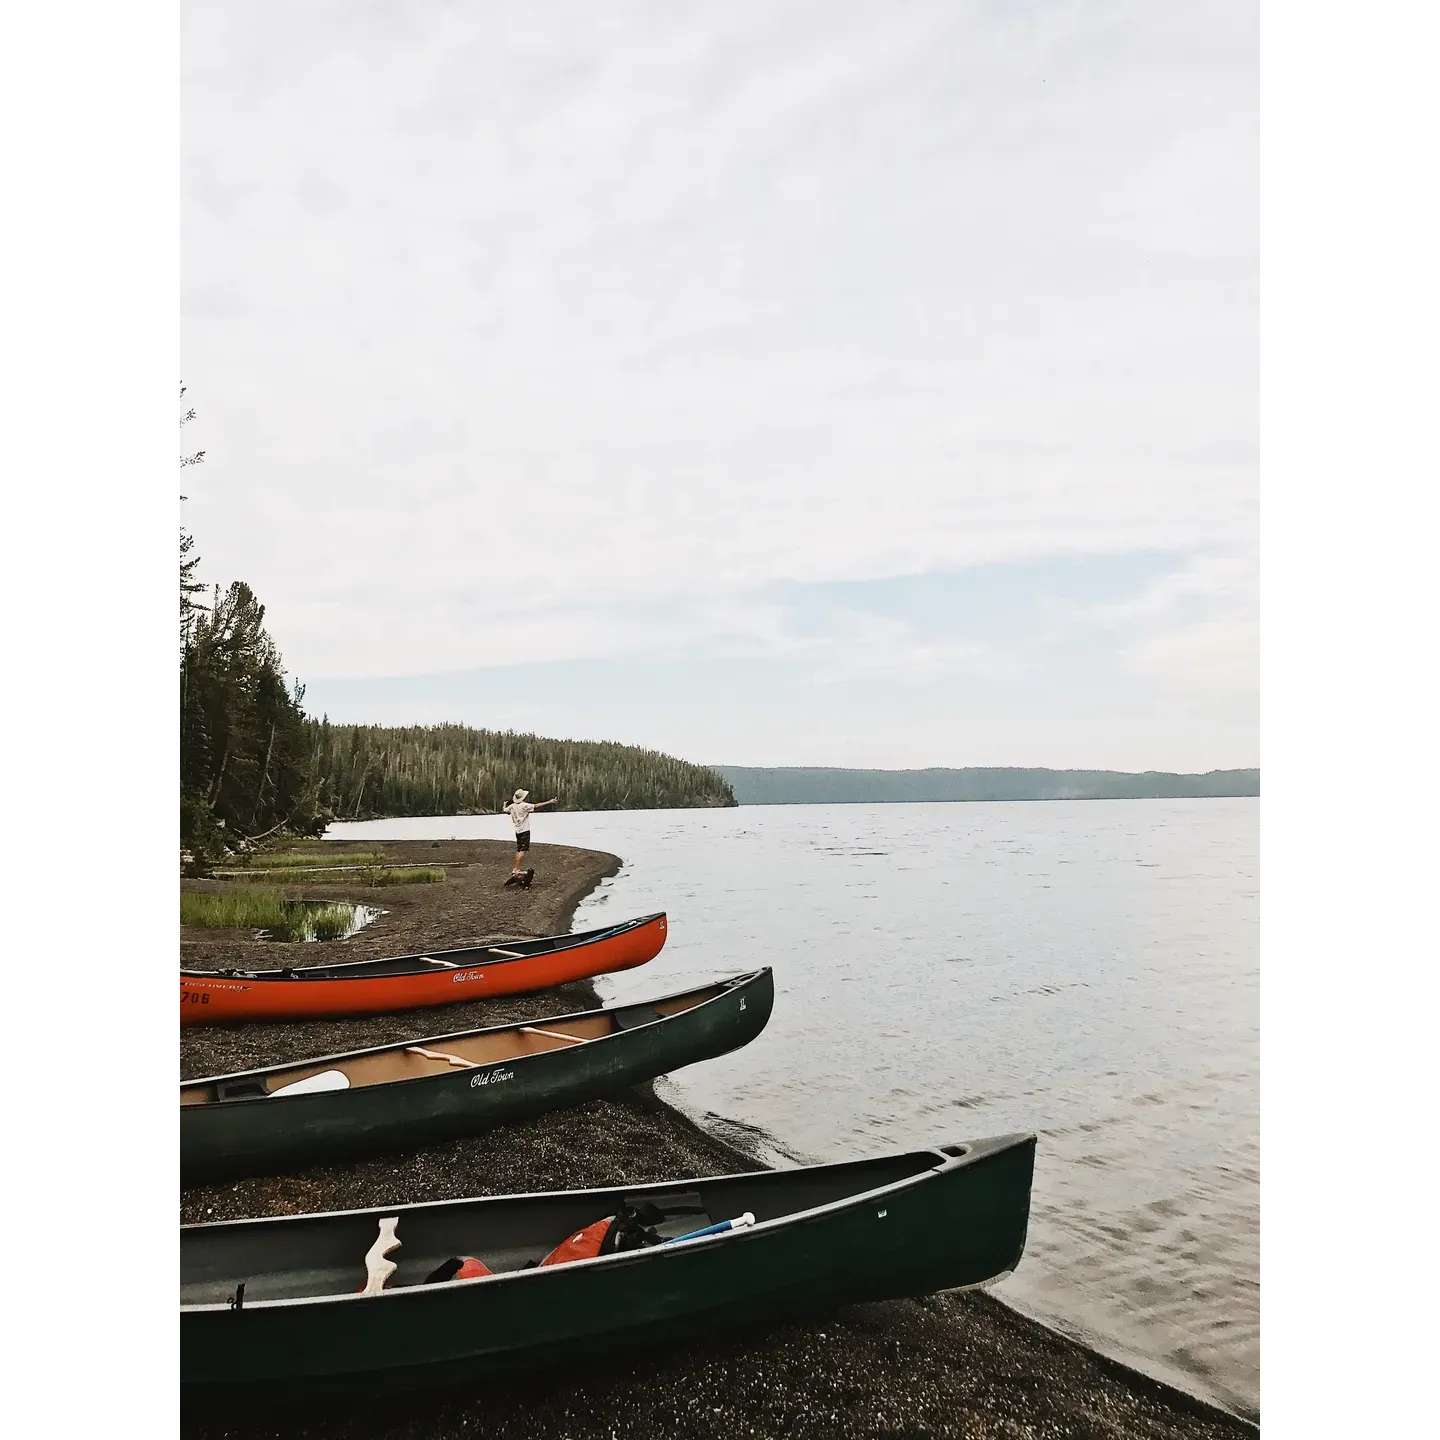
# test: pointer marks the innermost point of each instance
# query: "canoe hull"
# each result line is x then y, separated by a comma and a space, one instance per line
959, 1224
209, 998
271, 1133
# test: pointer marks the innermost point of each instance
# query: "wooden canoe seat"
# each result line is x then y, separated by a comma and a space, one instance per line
551, 1034
444, 1055
377, 1268
508, 954
431, 960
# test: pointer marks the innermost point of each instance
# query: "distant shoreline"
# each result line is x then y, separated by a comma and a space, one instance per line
833, 785
954, 800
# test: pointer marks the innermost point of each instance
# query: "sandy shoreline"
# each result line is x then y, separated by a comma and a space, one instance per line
948, 1365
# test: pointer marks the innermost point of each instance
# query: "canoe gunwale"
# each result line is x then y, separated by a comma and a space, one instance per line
558, 945
728, 985
949, 1158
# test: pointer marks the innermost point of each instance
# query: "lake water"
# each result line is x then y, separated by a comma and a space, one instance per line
1086, 970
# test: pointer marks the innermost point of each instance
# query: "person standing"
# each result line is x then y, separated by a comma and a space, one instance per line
520, 810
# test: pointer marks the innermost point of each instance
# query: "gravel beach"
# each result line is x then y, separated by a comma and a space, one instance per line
947, 1365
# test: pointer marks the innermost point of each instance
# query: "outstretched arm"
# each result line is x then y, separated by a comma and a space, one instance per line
544, 803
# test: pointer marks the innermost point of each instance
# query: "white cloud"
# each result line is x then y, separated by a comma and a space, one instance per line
1209, 658
566, 331
1195, 629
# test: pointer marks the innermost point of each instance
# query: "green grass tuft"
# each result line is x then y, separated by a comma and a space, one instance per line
315, 859
329, 923
264, 877
371, 875
252, 909
268, 910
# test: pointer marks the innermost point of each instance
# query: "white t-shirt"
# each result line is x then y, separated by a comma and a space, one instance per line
519, 814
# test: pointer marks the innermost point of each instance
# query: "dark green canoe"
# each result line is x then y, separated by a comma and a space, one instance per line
826, 1234
417, 1092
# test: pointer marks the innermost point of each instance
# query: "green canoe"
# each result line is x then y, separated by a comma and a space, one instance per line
269, 1309
417, 1092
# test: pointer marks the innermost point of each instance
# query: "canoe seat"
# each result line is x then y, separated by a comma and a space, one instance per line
681, 1211
444, 1055
551, 1034
377, 1268
634, 1016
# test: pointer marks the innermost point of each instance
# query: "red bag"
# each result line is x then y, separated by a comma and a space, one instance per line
458, 1267
582, 1245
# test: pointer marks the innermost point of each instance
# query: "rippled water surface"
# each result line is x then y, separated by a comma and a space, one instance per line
1085, 970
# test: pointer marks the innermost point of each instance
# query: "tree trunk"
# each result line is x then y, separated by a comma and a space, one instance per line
264, 772
219, 777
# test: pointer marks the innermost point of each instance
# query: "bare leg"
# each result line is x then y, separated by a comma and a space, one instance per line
519, 856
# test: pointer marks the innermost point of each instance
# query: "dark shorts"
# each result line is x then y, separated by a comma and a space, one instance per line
522, 841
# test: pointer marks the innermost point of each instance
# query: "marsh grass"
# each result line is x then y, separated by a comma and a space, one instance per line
272, 912
268, 877
371, 875
315, 859
251, 909
418, 876
325, 922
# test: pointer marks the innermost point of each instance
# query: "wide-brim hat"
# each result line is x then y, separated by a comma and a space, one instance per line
522, 795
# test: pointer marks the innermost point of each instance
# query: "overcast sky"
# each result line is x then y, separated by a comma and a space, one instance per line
771, 383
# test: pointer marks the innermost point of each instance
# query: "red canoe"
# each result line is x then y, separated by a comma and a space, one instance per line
372, 987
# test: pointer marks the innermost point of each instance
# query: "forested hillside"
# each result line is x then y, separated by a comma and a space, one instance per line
370, 771
804, 785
